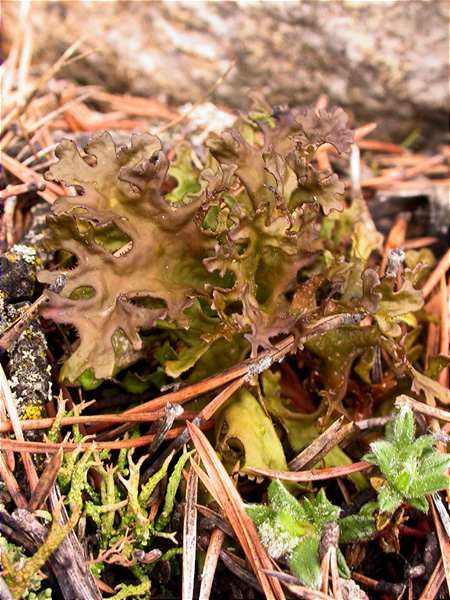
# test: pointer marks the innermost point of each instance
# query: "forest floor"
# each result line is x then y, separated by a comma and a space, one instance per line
142, 484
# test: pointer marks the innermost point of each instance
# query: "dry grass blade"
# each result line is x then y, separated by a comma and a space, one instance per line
444, 329
209, 568
335, 579
312, 475
51, 72
298, 591
439, 271
51, 447
27, 175
11, 484
444, 542
47, 422
10, 405
437, 578
46, 482
190, 535
219, 484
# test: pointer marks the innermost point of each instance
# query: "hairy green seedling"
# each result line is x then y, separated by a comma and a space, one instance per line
292, 530
411, 466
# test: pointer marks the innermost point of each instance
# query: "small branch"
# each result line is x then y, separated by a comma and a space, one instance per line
317, 447
421, 407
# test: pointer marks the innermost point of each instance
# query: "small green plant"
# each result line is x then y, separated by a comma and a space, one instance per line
411, 467
292, 530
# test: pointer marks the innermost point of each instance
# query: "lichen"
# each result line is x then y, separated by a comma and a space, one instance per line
233, 234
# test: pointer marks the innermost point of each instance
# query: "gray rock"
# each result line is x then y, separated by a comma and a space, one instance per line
384, 61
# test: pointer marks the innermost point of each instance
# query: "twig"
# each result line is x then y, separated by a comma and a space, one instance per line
421, 407
297, 590
13, 332
52, 191
238, 567
216, 520
317, 446
383, 587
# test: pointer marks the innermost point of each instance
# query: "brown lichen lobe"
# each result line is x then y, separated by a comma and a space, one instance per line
237, 240
122, 189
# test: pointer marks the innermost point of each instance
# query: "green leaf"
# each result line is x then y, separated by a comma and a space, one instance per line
244, 432
344, 571
404, 427
280, 499
389, 499
384, 456
356, 527
403, 481
397, 304
187, 358
304, 562
259, 513
432, 476
320, 510
421, 445
420, 503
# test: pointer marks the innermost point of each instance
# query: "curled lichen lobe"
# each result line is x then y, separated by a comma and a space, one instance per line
234, 233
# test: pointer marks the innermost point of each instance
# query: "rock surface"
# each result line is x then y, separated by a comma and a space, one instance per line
384, 61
